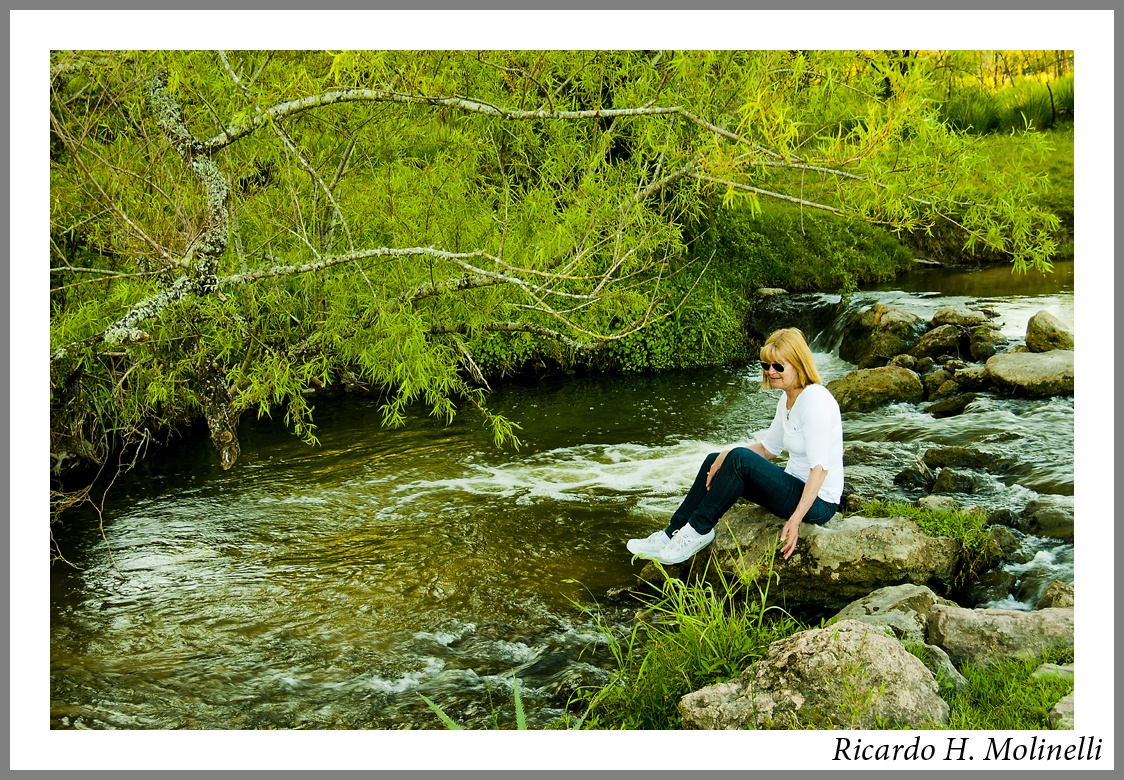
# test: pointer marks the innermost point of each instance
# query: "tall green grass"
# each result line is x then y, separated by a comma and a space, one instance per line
1028, 105
452, 725
692, 633
1004, 695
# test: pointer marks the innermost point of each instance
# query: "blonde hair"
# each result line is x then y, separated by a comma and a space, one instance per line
788, 345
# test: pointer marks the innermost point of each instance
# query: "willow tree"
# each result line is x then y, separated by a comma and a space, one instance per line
231, 229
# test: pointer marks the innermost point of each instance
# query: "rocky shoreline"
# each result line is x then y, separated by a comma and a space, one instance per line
890, 582
885, 576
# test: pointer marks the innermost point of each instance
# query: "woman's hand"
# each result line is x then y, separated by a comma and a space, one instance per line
715, 466
791, 531
789, 534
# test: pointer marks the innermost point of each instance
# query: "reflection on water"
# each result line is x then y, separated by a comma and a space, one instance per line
328, 587
984, 283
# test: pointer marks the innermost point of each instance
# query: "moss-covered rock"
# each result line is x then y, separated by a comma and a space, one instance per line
878, 334
868, 388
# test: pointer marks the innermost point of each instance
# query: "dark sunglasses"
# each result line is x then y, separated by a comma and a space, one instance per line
765, 365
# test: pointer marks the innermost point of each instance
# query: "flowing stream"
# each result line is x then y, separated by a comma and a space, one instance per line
327, 587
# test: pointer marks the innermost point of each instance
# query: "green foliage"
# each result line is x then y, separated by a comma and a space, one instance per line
706, 331
1029, 105
1004, 696
1050, 164
777, 245
692, 634
391, 220
520, 715
798, 249
449, 722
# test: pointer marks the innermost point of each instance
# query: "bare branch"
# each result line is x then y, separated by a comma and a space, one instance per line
328, 262
661, 184
234, 132
727, 134
458, 284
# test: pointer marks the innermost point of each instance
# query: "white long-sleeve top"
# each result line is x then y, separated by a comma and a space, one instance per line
812, 433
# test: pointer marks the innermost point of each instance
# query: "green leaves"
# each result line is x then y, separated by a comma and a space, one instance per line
449, 722
533, 205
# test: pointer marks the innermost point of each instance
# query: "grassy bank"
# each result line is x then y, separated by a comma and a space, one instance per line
793, 248
695, 637
1028, 104
782, 246
1044, 161
692, 634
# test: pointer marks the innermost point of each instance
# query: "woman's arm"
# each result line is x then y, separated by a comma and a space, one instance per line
791, 531
759, 448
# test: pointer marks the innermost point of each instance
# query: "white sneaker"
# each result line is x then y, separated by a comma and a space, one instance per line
649, 545
684, 543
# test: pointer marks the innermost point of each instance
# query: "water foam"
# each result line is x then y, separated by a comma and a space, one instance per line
407, 681
578, 474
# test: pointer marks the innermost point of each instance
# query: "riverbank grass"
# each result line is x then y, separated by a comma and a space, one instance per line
1006, 696
693, 634
689, 635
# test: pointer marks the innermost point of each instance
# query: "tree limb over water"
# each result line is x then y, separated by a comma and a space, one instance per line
268, 222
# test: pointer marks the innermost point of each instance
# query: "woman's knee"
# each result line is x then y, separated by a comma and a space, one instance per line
745, 459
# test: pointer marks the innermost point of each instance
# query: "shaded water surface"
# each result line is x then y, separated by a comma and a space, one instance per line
329, 586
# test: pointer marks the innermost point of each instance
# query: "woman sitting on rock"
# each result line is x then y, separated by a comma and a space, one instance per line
807, 424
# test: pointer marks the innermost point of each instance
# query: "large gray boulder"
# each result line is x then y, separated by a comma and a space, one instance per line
904, 609
833, 564
848, 675
878, 334
1045, 332
868, 388
985, 636
1033, 373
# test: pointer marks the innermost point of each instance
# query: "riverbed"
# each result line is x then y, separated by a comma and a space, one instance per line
330, 587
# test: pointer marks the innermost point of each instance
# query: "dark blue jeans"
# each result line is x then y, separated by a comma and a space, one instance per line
744, 474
